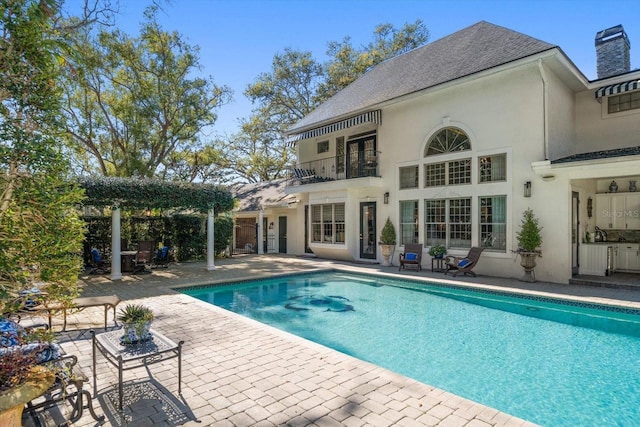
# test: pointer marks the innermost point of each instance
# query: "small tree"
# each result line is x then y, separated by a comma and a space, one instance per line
529, 238
388, 235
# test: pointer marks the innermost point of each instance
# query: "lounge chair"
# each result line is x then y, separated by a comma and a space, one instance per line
412, 255
463, 265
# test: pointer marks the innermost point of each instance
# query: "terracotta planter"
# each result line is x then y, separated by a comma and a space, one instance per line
12, 401
387, 250
528, 262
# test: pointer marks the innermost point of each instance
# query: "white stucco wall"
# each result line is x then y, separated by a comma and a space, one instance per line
596, 130
504, 112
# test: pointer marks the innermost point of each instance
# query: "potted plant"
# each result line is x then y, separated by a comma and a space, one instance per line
387, 241
529, 241
437, 251
136, 320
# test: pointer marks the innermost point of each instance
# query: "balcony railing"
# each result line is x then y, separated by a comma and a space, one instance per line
335, 168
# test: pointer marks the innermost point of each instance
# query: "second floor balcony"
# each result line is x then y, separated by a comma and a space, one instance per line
335, 168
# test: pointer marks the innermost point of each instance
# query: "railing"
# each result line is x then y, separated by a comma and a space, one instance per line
335, 168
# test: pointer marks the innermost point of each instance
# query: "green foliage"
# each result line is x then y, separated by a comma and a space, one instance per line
189, 237
223, 233
143, 194
437, 250
348, 63
529, 237
135, 313
133, 103
388, 235
40, 232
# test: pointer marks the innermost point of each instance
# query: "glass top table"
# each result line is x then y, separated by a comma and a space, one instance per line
130, 356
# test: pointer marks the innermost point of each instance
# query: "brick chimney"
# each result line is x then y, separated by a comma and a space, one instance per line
612, 52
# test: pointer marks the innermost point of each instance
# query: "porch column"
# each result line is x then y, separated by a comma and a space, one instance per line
210, 247
260, 231
116, 271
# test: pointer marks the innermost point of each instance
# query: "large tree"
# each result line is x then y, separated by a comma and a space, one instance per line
347, 63
40, 232
134, 105
295, 85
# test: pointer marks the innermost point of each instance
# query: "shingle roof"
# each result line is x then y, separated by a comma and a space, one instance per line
476, 48
252, 197
595, 155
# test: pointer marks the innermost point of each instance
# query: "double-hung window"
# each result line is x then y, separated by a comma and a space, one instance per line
435, 212
328, 223
408, 177
493, 222
623, 102
492, 168
408, 221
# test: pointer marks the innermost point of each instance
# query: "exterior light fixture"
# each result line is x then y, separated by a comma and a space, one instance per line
386, 198
527, 189
589, 207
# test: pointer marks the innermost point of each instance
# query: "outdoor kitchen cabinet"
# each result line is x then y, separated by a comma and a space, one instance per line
618, 211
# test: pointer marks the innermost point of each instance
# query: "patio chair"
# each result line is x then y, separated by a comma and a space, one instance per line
463, 265
144, 255
98, 263
412, 255
162, 258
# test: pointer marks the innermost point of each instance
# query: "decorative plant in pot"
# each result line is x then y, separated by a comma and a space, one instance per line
437, 251
136, 320
387, 241
529, 241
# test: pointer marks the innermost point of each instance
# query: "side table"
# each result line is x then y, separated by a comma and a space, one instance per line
126, 357
437, 265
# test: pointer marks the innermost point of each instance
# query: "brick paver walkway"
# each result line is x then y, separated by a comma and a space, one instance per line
238, 372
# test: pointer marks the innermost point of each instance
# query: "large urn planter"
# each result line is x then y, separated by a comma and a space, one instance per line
12, 401
387, 250
528, 262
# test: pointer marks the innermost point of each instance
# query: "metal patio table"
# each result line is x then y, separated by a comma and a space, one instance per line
131, 356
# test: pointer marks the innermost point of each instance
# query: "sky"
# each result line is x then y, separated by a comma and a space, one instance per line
238, 38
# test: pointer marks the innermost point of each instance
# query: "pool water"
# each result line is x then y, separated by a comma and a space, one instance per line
547, 361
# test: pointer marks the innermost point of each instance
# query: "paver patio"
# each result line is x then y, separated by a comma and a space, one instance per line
239, 372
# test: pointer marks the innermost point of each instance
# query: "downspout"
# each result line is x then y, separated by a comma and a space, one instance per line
545, 108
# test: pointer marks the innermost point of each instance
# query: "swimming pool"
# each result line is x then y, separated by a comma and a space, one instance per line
539, 366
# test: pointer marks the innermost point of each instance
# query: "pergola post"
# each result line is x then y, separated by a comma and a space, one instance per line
116, 269
260, 231
210, 246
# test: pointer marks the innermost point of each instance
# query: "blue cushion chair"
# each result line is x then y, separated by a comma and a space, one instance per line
465, 264
412, 256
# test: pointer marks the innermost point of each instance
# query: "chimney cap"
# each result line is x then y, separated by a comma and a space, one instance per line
611, 33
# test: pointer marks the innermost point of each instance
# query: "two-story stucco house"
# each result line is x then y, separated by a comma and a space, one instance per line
456, 139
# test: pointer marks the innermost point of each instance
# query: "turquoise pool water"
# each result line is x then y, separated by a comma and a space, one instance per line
552, 362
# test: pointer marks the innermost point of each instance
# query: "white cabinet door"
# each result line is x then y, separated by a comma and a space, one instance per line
619, 211
628, 258
632, 211
604, 217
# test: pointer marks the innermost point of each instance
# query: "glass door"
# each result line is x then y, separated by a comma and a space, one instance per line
368, 239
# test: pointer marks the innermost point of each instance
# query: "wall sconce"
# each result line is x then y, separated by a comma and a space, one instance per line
589, 207
527, 189
386, 198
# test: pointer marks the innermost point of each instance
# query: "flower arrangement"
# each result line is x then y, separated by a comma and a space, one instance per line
437, 251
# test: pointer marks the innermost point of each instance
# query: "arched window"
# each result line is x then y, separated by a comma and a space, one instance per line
448, 140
